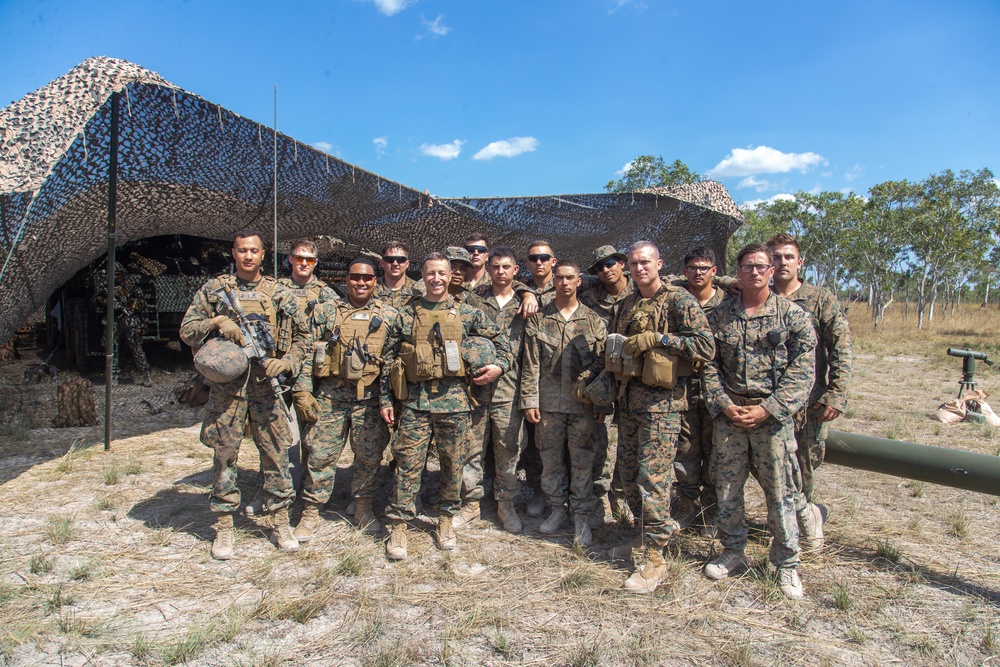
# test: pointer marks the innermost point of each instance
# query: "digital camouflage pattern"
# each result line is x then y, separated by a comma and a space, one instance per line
559, 434
315, 290
398, 298
130, 318
649, 420
231, 405
779, 378
834, 358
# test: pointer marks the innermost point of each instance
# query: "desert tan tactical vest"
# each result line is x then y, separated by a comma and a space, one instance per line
432, 356
353, 326
258, 301
659, 367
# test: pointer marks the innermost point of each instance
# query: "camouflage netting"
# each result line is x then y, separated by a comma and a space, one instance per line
188, 166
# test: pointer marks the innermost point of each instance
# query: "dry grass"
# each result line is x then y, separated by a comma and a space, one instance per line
113, 568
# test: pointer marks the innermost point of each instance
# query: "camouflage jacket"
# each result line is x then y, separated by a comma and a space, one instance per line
688, 337
507, 388
397, 298
448, 394
833, 350
556, 351
206, 304
598, 299
545, 295
747, 364
130, 302
315, 291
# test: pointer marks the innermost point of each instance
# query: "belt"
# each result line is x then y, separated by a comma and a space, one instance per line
745, 401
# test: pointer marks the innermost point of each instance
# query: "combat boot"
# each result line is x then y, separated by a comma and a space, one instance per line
308, 523
225, 537
470, 512
556, 519
364, 516
581, 530
725, 564
811, 528
281, 532
536, 506
649, 574
508, 516
685, 513
256, 506
626, 550
789, 583
395, 547
446, 534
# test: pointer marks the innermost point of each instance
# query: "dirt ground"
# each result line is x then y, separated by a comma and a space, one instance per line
105, 555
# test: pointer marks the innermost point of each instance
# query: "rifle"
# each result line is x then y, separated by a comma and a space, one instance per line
258, 345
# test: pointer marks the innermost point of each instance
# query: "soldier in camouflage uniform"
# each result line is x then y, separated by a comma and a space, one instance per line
428, 376
395, 288
760, 377
309, 290
666, 329
562, 343
828, 398
249, 398
130, 319
477, 274
497, 419
344, 374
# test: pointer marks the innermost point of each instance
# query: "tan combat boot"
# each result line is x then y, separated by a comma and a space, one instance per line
811, 528
508, 516
308, 523
281, 532
446, 534
395, 547
225, 537
364, 516
649, 574
469, 513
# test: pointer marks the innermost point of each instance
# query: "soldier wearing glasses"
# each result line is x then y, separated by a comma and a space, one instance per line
760, 378
395, 288
479, 252
344, 377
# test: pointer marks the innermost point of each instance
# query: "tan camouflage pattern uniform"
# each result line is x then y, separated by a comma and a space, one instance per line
834, 358
497, 419
231, 405
744, 370
556, 351
650, 421
440, 407
342, 415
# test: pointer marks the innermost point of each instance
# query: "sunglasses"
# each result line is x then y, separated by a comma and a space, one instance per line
476, 248
361, 277
302, 259
606, 264
541, 257
395, 259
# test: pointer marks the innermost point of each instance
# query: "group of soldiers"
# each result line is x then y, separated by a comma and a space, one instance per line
707, 380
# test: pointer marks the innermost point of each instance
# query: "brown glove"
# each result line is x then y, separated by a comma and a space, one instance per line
306, 406
642, 342
275, 367
230, 330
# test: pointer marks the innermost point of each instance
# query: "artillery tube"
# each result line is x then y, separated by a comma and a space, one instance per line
938, 465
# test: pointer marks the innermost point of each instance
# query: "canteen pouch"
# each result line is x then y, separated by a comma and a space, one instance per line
408, 355
352, 366
397, 380
660, 368
321, 360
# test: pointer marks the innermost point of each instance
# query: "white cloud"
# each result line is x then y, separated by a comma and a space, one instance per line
754, 203
443, 151
618, 4
390, 7
324, 146
435, 28
624, 170
759, 184
763, 160
506, 148
855, 172
381, 145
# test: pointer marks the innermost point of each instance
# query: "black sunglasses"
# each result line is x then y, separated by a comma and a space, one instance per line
395, 259
476, 248
541, 257
606, 264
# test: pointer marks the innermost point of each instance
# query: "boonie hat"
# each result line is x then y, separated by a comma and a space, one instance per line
457, 254
603, 253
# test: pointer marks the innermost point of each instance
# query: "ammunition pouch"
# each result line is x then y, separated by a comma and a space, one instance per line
352, 367
615, 360
431, 356
322, 360
662, 369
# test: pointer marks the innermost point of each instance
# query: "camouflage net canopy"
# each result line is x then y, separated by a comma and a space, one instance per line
188, 166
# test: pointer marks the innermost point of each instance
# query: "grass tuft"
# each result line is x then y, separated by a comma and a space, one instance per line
841, 597
917, 488
738, 652
111, 475
187, 647
67, 463
958, 524
576, 580
888, 550
82, 571
40, 564
60, 530
585, 654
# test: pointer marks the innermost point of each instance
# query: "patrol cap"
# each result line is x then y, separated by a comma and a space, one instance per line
603, 253
478, 351
457, 254
603, 391
221, 360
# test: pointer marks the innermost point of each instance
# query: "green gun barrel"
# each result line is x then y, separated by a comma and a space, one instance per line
937, 465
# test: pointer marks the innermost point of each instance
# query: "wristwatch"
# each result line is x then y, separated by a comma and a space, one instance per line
664, 340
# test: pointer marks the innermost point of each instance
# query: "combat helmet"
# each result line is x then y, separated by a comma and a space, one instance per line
478, 352
603, 391
221, 360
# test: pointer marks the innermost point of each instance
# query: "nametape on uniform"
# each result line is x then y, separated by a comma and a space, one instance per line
249, 296
360, 316
301, 292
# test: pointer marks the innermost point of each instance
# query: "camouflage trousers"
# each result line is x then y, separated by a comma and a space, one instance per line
225, 422
502, 425
127, 338
323, 442
605, 481
768, 449
409, 448
531, 460
694, 451
647, 443
810, 435
557, 435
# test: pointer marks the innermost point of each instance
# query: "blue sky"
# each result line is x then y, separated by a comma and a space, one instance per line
477, 98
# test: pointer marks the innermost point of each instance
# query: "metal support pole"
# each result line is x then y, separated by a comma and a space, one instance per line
109, 269
275, 249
